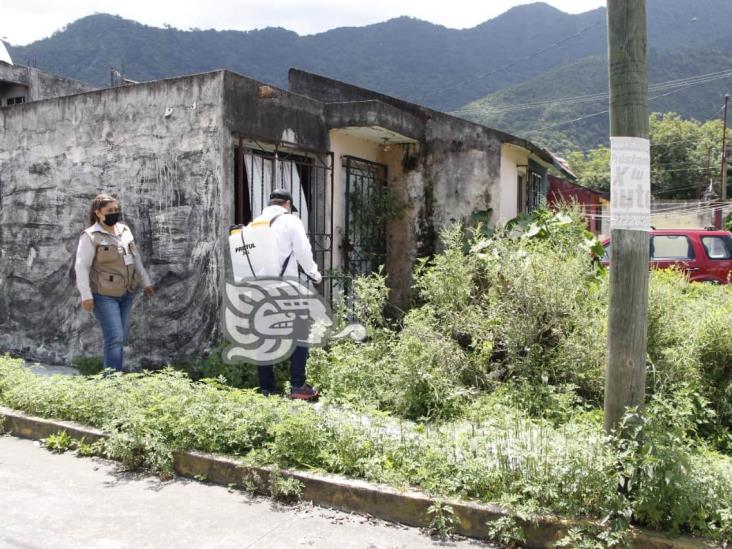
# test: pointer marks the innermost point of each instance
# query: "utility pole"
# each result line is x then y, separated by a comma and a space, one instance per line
723, 178
625, 374
723, 175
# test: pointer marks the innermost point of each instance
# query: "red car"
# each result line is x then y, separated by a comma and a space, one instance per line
705, 255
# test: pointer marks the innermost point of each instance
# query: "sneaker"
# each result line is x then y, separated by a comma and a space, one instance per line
306, 392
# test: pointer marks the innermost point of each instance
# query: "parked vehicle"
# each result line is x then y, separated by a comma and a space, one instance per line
704, 255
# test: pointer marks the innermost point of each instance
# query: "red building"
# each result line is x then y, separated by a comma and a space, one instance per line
589, 201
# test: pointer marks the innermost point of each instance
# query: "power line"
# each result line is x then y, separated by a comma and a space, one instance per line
676, 85
693, 168
653, 144
569, 121
701, 208
605, 111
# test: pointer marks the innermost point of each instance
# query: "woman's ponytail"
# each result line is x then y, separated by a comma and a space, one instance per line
98, 203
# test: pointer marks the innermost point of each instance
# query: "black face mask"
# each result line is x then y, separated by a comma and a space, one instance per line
111, 218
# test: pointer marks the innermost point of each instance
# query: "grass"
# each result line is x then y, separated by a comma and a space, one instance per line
494, 454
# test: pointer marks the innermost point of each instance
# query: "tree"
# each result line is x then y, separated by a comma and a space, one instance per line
592, 168
684, 158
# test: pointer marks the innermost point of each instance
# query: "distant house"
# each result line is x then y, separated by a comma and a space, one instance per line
595, 205
190, 156
19, 84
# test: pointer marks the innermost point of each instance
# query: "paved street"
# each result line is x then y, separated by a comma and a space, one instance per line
49, 500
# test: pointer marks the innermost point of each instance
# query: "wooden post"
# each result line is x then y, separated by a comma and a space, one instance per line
718, 221
723, 175
625, 375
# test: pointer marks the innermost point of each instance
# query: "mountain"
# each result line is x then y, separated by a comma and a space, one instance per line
572, 99
404, 57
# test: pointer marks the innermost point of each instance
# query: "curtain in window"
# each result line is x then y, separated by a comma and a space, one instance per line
264, 177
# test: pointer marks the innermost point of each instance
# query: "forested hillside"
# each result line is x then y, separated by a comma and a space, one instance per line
490, 73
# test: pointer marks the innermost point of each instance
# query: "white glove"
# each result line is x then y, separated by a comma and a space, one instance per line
315, 277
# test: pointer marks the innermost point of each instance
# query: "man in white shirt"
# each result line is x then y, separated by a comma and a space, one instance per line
294, 248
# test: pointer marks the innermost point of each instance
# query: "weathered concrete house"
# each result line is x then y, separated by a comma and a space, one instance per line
189, 156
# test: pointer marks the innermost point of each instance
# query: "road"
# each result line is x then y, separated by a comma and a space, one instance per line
57, 501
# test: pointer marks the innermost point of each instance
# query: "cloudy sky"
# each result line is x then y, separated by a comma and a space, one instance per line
29, 20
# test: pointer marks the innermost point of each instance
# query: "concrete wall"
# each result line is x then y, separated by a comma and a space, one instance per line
55, 155
461, 172
511, 158
271, 114
684, 214
458, 172
41, 85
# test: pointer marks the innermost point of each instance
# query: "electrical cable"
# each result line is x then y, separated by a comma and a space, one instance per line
675, 85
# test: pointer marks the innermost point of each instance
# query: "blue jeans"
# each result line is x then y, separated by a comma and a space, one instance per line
113, 314
297, 371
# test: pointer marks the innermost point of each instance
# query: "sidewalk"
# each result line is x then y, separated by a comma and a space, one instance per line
48, 370
51, 500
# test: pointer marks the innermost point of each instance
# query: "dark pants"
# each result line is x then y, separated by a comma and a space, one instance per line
297, 372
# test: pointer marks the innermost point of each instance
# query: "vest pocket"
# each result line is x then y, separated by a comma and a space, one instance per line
111, 284
107, 255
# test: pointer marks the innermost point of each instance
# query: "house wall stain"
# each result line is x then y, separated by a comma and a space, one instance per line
165, 170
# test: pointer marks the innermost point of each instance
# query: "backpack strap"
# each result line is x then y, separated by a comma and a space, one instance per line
275, 218
284, 265
246, 253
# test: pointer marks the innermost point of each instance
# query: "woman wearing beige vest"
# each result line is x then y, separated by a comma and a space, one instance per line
108, 270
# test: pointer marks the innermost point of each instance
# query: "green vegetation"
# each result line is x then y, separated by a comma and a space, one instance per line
88, 365
684, 158
62, 442
286, 490
59, 443
490, 388
442, 521
565, 108
213, 366
506, 531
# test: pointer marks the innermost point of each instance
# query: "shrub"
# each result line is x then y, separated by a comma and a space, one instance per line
88, 366
689, 346
212, 366
59, 442
371, 298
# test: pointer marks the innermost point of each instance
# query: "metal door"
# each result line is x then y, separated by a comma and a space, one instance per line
365, 224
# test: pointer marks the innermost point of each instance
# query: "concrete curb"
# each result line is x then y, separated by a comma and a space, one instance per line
383, 502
